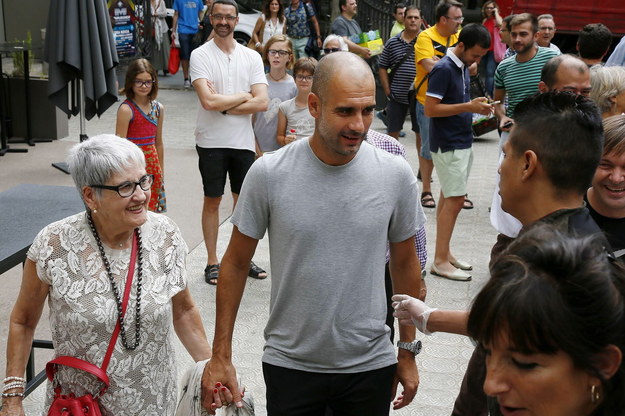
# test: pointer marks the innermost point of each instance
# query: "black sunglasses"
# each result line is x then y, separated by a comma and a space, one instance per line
330, 50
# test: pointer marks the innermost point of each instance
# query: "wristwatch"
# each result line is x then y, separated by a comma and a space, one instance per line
414, 346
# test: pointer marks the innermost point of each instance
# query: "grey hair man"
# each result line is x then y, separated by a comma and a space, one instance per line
546, 31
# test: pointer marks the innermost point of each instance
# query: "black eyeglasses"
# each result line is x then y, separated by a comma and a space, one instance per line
126, 189
139, 83
274, 52
330, 50
300, 77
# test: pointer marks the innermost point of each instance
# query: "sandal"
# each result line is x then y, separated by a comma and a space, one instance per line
256, 272
211, 274
468, 204
427, 200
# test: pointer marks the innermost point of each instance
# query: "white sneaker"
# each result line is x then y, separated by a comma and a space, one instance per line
187, 84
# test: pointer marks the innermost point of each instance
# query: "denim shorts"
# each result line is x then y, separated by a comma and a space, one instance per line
186, 45
424, 129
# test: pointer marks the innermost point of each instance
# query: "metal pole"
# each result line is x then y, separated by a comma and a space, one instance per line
83, 134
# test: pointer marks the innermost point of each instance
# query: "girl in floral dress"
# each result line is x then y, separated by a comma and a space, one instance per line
140, 120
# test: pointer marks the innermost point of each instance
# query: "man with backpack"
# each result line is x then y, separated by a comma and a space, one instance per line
397, 72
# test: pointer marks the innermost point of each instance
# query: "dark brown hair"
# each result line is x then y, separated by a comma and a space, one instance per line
135, 68
552, 292
267, 12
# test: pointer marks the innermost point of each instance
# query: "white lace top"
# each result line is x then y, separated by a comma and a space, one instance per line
83, 312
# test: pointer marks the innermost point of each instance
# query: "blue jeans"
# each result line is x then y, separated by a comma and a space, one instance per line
489, 71
424, 129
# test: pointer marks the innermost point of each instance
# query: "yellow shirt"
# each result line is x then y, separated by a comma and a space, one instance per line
429, 44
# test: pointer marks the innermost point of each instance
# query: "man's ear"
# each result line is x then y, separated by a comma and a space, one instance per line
542, 87
530, 159
314, 105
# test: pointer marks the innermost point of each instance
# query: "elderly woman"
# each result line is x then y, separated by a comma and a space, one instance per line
608, 89
333, 43
80, 265
552, 322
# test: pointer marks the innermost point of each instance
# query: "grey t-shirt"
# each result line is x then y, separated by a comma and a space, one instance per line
266, 123
343, 27
298, 119
328, 227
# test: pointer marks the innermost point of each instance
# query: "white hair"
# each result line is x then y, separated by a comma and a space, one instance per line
339, 39
95, 160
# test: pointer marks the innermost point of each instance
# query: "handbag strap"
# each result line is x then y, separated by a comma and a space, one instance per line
100, 372
409, 49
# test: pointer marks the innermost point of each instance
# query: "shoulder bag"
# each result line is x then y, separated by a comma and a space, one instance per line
261, 32
87, 405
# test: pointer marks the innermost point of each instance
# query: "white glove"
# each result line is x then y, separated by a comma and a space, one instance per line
412, 311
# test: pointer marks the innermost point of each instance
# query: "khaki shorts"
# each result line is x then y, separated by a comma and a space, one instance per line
453, 169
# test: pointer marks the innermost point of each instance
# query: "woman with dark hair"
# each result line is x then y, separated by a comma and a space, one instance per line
271, 22
552, 322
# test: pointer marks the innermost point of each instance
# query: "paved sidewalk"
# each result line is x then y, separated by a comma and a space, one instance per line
444, 357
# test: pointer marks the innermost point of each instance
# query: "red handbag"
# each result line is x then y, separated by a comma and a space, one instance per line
87, 405
174, 59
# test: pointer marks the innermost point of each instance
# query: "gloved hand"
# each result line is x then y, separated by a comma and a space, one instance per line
412, 311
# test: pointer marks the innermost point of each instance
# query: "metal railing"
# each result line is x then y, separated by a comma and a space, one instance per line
378, 14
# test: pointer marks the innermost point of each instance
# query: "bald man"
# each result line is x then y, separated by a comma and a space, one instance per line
330, 204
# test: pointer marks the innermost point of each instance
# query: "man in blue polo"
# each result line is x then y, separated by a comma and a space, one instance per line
450, 108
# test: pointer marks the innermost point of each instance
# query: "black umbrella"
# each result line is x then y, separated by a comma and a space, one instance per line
80, 49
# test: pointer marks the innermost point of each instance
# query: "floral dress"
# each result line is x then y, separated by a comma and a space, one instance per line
83, 312
142, 132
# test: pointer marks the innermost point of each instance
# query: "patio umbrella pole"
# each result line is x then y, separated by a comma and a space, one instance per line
83, 129
62, 166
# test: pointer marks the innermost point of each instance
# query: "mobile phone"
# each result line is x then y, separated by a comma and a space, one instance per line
508, 124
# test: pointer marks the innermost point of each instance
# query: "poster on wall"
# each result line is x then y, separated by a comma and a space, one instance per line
122, 20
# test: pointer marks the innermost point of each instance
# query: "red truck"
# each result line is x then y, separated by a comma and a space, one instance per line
571, 15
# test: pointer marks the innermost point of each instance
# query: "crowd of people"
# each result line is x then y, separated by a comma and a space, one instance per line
345, 219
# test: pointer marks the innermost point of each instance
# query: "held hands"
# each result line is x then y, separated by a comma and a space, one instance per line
216, 394
481, 106
412, 311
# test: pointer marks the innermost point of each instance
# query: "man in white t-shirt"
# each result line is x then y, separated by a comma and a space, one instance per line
230, 82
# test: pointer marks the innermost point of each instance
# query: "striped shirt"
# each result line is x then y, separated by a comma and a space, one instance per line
520, 79
403, 76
